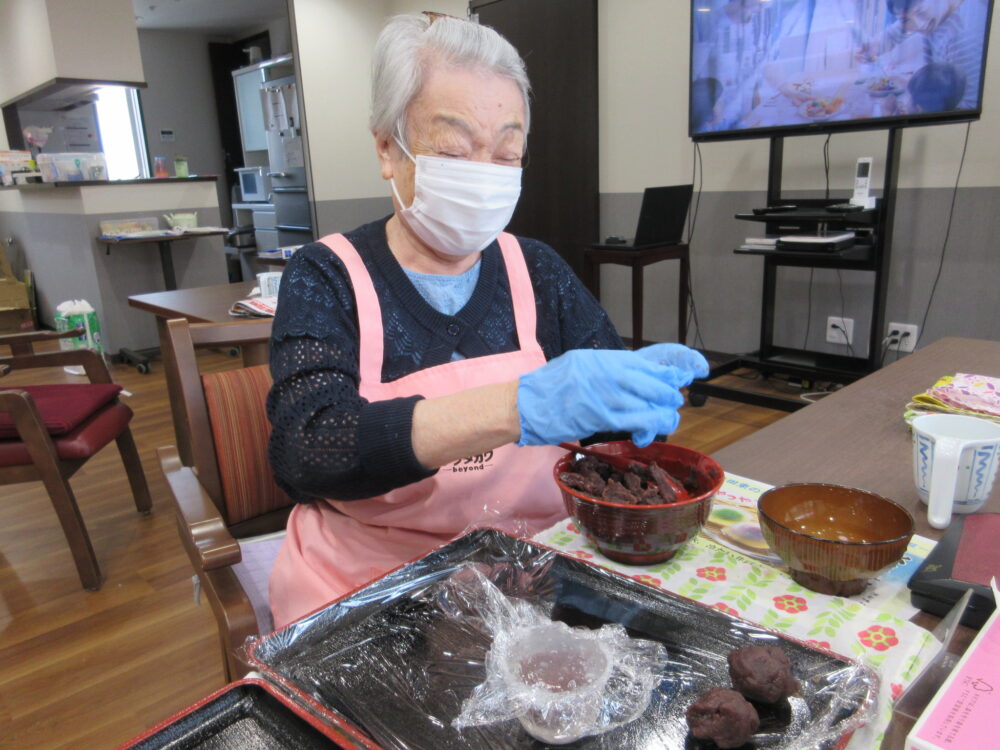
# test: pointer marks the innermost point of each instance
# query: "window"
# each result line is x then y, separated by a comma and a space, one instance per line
122, 135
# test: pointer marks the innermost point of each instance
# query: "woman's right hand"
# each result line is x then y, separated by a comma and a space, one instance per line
586, 391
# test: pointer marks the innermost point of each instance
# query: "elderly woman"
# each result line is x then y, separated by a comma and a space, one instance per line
425, 365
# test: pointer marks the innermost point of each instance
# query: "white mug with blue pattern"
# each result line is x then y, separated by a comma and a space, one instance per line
954, 462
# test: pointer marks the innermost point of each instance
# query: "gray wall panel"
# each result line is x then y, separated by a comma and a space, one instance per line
727, 287
345, 215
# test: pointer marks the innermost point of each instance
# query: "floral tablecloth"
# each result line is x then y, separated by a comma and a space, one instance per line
872, 628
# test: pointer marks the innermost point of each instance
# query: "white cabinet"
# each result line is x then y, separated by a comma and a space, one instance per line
251, 110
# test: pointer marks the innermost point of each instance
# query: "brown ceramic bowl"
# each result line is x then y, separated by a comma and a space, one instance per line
834, 538
644, 534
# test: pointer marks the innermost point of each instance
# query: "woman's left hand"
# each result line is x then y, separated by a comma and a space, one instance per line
677, 355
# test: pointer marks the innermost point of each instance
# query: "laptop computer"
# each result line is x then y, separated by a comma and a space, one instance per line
661, 218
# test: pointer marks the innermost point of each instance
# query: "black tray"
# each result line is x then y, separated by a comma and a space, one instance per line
394, 661
243, 715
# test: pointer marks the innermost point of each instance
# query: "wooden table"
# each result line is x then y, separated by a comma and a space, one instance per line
857, 437
204, 304
637, 258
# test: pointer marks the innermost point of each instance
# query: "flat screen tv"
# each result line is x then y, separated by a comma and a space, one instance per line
788, 67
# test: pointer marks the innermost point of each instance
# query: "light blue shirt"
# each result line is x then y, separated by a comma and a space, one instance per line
446, 294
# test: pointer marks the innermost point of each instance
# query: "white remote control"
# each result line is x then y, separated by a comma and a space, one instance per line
862, 183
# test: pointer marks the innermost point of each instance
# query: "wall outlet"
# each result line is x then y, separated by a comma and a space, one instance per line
843, 333
905, 336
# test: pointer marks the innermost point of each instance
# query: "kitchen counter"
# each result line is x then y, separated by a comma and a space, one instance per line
107, 183
54, 227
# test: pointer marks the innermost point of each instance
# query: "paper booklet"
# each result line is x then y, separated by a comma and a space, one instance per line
254, 307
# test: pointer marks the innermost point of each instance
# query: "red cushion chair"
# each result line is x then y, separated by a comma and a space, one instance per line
48, 432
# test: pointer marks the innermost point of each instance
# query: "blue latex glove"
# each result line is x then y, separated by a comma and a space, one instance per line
585, 391
679, 356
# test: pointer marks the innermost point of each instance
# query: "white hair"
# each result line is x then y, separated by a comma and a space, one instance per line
406, 47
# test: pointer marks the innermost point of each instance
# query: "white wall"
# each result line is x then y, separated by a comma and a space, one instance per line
334, 44
180, 97
643, 84
26, 59
457, 8
96, 39
642, 89
280, 33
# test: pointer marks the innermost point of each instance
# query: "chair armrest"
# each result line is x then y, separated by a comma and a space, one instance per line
20, 343
203, 530
93, 363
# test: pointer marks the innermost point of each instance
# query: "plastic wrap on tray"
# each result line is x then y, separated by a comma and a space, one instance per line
560, 683
400, 657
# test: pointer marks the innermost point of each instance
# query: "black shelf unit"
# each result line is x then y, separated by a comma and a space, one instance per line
871, 252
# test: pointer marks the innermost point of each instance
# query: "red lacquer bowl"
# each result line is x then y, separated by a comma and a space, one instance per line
834, 538
644, 534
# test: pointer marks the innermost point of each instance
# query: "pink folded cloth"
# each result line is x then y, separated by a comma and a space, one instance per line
979, 393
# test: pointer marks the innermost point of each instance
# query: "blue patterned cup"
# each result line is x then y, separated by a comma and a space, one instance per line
954, 463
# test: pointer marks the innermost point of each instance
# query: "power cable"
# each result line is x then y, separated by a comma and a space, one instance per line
812, 270
826, 163
809, 305
847, 339
947, 234
697, 169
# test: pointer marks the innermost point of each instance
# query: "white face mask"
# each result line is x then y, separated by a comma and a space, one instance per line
459, 207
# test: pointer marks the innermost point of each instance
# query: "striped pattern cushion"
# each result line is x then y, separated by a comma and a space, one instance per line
240, 429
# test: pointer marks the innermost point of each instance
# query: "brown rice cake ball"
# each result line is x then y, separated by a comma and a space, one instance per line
723, 716
762, 673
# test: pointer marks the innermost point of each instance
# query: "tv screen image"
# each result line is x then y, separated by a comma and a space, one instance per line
773, 67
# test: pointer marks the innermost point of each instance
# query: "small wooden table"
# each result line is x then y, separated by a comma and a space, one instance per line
204, 304
637, 258
857, 437
164, 243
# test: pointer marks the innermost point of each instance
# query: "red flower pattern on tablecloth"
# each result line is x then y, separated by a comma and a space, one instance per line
790, 604
712, 573
651, 580
896, 690
820, 644
878, 637
581, 554
572, 527
725, 608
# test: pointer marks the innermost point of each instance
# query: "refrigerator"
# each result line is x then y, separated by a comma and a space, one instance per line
292, 221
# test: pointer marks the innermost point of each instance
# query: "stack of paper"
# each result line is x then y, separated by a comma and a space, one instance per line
767, 242
254, 307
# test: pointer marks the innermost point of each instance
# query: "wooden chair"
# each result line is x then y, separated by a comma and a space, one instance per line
47, 432
228, 499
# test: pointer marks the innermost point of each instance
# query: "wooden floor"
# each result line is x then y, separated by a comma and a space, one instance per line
83, 669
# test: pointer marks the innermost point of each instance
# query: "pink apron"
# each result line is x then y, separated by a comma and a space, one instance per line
334, 547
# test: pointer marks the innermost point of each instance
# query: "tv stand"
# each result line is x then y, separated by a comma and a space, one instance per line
870, 253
